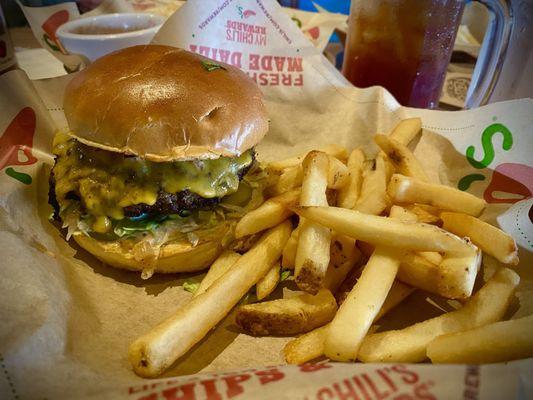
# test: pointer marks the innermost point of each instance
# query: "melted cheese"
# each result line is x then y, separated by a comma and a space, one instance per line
106, 182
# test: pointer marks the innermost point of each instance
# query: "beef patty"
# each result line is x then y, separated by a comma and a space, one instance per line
166, 203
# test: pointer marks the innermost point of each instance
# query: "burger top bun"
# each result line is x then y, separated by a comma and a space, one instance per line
165, 104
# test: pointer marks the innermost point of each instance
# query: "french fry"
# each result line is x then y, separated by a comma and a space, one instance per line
398, 292
333, 150
290, 179
348, 195
424, 213
409, 345
403, 159
315, 181
366, 248
272, 212
490, 239
344, 255
422, 269
311, 345
313, 250
242, 245
348, 283
306, 347
389, 232
268, 283
287, 316
431, 256
403, 215
337, 173
389, 170
219, 267
289, 251
403, 189
373, 198
453, 277
493, 343
358, 311
406, 130
155, 351
312, 257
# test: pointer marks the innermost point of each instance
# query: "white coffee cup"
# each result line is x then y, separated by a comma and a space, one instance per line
94, 37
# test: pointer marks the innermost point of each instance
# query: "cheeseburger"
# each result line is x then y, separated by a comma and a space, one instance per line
158, 163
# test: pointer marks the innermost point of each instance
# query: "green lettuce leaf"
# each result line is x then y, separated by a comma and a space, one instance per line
285, 274
127, 227
191, 286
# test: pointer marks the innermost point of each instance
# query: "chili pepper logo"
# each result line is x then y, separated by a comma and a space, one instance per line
313, 32
245, 13
50, 27
16, 144
510, 182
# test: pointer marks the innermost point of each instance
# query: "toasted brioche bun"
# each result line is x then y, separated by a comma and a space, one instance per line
164, 104
173, 257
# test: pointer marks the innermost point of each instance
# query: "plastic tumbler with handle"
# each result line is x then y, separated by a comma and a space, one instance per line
406, 45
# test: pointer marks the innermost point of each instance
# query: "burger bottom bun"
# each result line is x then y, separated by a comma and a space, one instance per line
173, 256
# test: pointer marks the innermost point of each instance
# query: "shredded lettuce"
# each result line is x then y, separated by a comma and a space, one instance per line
248, 298
128, 226
191, 285
285, 274
188, 225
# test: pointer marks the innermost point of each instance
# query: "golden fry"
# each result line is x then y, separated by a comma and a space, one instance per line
362, 305
333, 150
490, 239
403, 159
219, 267
373, 198
337, 173
268, 283
344, 255
269, 214
289, 252
493, 343
155, 351
406, 130
403, 189
287, 316
424, 213
290, 178
385, 231
453, 277
313, 250
311, 345
348, 195
409, 345
306, 347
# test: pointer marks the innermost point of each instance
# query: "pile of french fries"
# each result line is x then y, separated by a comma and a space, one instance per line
359, 235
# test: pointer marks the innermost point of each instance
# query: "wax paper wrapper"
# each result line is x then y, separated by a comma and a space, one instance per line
44, 21
67, 320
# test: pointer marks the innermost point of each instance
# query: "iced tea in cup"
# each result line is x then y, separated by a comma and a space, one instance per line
406, 45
